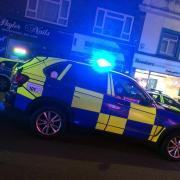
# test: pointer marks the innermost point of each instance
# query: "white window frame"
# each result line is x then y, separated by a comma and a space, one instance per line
53, 2
169, 40
106, 11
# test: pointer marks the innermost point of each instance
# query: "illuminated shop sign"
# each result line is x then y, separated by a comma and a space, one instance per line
155, 64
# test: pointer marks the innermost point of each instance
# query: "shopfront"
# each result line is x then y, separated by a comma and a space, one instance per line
35, 38
157, 73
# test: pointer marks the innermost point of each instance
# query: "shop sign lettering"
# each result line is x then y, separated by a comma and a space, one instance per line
22, 28
30, 28
156, 64
9, 26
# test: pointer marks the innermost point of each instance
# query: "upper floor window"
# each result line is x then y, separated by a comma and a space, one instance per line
51, 11
169, 44
113, 24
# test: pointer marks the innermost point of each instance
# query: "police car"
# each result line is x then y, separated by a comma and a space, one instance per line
164, 100
55, 93
6, 68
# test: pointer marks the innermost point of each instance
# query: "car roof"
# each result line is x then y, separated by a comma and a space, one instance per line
41, 58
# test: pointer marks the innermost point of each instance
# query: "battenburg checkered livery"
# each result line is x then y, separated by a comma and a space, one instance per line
56, 93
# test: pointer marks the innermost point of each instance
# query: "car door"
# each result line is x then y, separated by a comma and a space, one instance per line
114, 111
88, 97
139, 114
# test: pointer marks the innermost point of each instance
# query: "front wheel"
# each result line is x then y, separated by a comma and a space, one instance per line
170, 147
48, 122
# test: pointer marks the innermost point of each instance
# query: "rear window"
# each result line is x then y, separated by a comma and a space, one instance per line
57, 67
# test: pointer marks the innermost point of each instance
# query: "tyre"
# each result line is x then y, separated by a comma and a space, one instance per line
48, 122
170, 147
4, 84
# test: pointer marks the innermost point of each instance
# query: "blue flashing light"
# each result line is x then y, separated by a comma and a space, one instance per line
103, 61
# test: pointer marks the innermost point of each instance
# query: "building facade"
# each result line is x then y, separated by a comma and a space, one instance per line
157, 61
72, 29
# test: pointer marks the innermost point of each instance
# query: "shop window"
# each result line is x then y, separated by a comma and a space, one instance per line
51, 11
17, 49
169, 44
112, 24
152, 83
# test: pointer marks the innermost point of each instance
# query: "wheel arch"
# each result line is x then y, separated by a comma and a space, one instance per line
49, 101
167, 132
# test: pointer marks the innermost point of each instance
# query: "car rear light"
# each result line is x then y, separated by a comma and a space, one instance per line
19, 79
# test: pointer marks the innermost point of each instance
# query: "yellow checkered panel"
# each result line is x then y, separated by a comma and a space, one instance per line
142, 114
87, 100
112, 124
117, 122
151, 110
103, 118
114, 130
23, 91
155, 133
102, 121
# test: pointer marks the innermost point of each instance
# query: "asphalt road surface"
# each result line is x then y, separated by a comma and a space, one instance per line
79, 156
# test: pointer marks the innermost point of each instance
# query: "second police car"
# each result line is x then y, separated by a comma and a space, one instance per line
164, 100
55, 93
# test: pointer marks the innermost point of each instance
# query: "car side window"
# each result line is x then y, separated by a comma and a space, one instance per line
128, 90
89, 79
78, 75
56, 68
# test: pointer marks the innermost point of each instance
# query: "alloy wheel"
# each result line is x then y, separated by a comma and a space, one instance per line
49, 123
173, 148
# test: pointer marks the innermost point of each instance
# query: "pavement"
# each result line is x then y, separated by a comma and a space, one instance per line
77, 156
